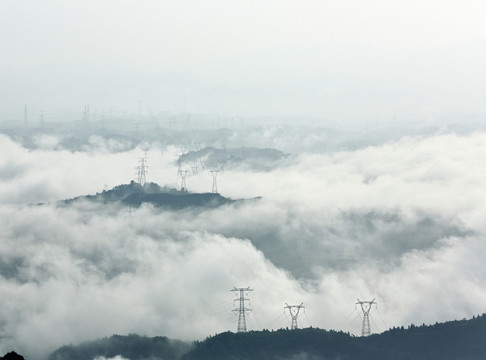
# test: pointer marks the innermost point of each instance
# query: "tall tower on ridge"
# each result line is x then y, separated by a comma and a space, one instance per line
366, 308
242, 309
294, 313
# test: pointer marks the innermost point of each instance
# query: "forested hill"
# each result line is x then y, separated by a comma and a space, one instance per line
455, 340
134, 195
132, 347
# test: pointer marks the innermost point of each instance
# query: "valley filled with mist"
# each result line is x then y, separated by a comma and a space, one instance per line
324, 220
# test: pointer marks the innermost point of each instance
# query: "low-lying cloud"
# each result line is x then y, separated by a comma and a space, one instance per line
401, 222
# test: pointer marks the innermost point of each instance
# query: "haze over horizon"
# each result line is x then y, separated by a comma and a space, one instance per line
340, 61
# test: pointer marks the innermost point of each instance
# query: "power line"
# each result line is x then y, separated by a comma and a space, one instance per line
383, 320
26, 117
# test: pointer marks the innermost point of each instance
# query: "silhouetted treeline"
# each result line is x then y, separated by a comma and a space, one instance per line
456, 340
134, 195
12, 356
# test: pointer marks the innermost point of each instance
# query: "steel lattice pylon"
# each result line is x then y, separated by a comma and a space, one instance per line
142, 171
183, 174
294, 313
214, 188
241, 308
366, 308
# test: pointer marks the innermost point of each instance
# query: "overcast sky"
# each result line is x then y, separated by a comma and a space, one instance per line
347, 215
339, 60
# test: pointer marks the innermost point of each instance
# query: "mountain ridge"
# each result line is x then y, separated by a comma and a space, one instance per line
452, 340
134, 195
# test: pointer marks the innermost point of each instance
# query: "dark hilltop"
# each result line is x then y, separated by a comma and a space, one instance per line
12, 356
134, 195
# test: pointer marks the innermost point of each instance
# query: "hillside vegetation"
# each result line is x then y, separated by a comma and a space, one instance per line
454, 340
134, 195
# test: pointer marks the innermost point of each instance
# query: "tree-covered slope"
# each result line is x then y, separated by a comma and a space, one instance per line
134, 195
133, 347
456, 340
250, 157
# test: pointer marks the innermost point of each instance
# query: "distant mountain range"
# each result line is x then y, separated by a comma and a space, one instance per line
218, 159
454, 340
134, 195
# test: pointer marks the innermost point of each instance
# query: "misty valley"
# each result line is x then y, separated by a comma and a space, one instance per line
107, 230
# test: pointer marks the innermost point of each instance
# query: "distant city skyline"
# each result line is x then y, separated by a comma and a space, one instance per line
342, 61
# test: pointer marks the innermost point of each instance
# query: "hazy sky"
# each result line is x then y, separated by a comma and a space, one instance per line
340, 60
347, 215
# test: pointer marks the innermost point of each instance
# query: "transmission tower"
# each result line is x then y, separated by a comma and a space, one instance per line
214, 173
294, 313
241, 308
183, 174
26, 118
180, 160
195, 168
86, 113
130, 212
366, 308
142, 170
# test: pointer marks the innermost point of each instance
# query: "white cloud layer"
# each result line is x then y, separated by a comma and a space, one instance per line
401, 222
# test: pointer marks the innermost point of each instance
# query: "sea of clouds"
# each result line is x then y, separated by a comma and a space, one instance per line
401, 222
